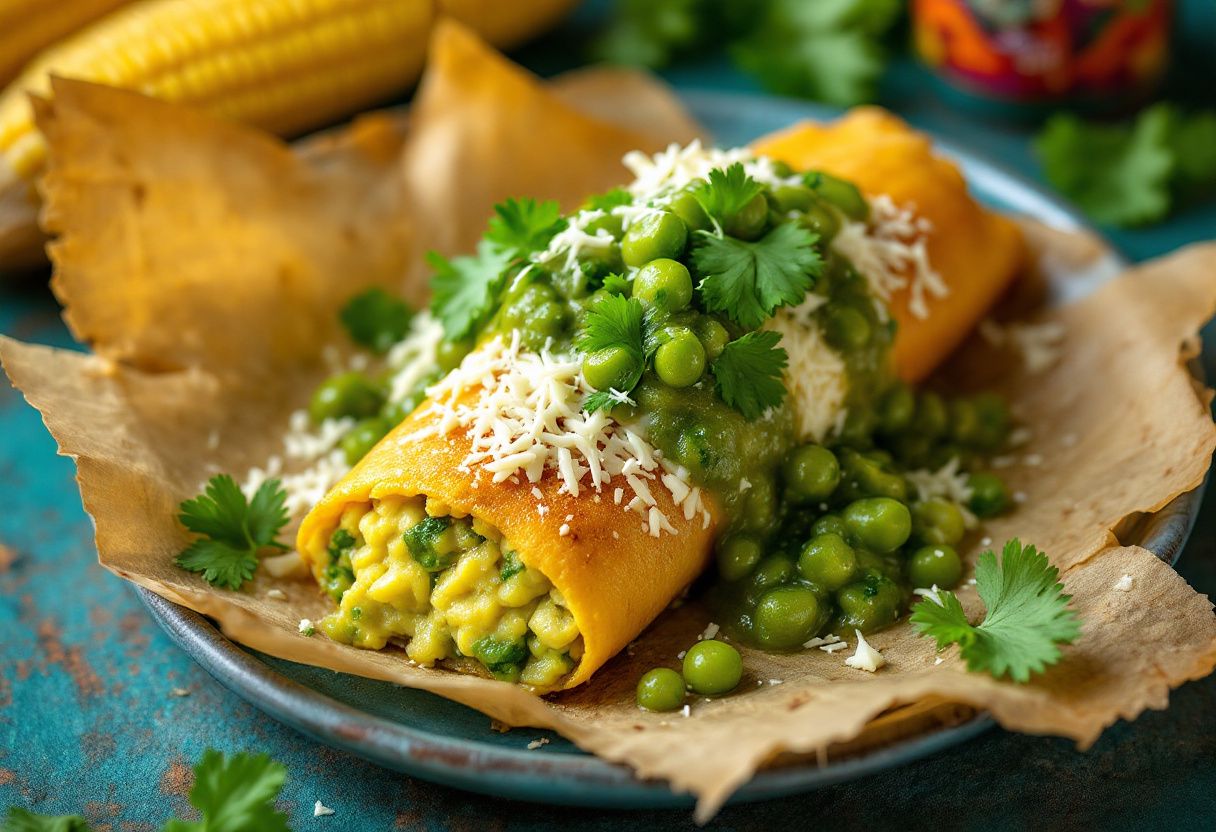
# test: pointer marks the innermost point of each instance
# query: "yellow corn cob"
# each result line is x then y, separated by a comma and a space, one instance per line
28, 26
284, 65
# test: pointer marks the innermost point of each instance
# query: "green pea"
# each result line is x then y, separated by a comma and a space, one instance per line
712, 667
847, 328
830, 524
655, 235
793, 197
713, 335
661, 689
738, 555
896, 409
938, 521
786, 617
345, 394
363, 437
773, 571
612, 223
822, 220
935, 565
828, 561
964, 421
537, 312
989, 496
449, 354
760, 504
843, 195
781, 169
681, 361
612, 367
879, 523
931, 419
869, 605
686, 207
748, 222
993, 416
865, 477
664, 283
811, 474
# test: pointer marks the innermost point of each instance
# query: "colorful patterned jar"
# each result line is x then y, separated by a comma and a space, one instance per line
1031, 55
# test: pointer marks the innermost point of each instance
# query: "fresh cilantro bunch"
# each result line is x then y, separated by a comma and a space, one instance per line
233, 794
1027, 618
1133, 173
466, 289
232, 530
828, 50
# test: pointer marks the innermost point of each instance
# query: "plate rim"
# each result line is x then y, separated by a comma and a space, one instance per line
581, 778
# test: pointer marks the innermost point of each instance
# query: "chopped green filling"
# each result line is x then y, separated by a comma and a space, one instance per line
511, 565
504, 659
424, 541
339, 575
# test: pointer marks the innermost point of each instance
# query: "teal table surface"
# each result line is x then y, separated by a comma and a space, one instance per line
88, 724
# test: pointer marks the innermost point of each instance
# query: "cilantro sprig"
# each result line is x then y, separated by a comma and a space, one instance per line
232, 530
375, 319
614, 321
749, 281
747, 374
522, 226
1027, 615
1133, 173
465, 289
233, 794
725, 193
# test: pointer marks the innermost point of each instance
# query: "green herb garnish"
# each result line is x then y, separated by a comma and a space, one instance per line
725, 193
1133, 173
233, 530
466, 288
522, 226
1028, 615
376, 319
748, 373
748, 281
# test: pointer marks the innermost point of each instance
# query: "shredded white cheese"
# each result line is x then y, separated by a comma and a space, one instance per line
320, 810
276, 595
948, 482
305, 627
1125, 583
890, 250
816, 376
931, 594
710, 631
527, 418
865, 657
537, 743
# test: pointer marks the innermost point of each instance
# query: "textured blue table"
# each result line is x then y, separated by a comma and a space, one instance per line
88, 724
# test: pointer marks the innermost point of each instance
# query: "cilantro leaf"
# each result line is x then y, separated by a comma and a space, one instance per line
828, 50
748, 281
616, 284
20, 820
1117, 174
522, 226
232, 529
748, 373
726, 192
376, 319
1028, 615
602, 400
465, 289
235, 794
614, 321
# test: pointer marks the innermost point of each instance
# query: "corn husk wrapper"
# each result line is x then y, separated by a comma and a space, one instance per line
198, 364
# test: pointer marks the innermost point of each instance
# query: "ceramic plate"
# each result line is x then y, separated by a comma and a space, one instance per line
428, 737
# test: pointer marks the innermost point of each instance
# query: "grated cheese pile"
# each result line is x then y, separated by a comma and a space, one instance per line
1038, 345
527, 418
890, 251
816, 376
